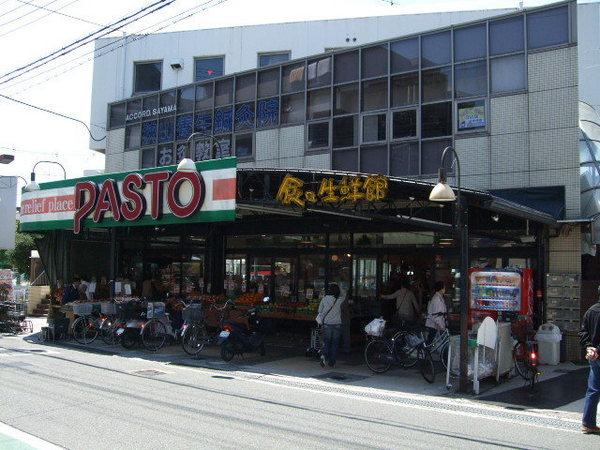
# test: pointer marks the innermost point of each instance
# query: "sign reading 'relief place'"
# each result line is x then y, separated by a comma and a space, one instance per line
146, 197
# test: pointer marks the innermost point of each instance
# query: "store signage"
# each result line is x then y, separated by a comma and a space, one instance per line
330, 191
151, 112
146, 197
471, 115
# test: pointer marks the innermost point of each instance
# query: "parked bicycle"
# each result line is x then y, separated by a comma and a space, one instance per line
525, 357
86, 328
194, 334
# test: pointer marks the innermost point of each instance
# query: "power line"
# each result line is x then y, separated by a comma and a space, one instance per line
55, 11
11, 10
25, 15
36, 19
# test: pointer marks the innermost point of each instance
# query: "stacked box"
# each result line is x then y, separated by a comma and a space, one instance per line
563, 299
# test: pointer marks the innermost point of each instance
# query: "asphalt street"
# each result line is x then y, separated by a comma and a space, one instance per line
81, 400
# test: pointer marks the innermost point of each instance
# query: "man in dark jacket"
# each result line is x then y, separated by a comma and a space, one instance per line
590, 339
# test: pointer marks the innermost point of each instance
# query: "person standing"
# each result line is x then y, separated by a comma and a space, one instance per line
589, 336
436, 310
330, 317
407, 308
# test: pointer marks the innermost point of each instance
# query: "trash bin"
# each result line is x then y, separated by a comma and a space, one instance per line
548, 338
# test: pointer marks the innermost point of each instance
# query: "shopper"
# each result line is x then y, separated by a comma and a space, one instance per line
407, 308
330, 317
590, 340
436, 310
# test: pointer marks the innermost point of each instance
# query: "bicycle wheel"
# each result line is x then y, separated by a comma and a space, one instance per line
107, 331
520, 360
154, 335
379, 356
227, 350
194, 339
84, 330
405, 353
426, 366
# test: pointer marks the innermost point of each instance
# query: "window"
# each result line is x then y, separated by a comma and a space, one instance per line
436, 120
267, 114
117, 115
404, 124
149, 130
405, 89
268, 83
134, 106
223, 119
150, 102
346, 99
548, 28
470, 43
147, 77
319, 72
437, 84
374, 94
431, 155
168, 98
244, 116
204, 96
207, 68
470, 79
374, 128
184, 126
404, 159
470, 115
319, 104
405, 55
373, 159
222, 146
346, 67
245, 87
268, 59
374, 61
133, 136
346, 160
292, 109
435, 49
292, 78
181, 151
164, 155
318, 135
243, 145
508, 74
202, 149
203, 122
147, 158
185, 99
166, 130
345, 131
224, 92
506, 36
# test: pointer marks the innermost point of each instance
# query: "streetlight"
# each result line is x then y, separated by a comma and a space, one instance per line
187, 164
32, 185
442, 192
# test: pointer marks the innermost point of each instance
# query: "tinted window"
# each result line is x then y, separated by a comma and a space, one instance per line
405, 89
134, 106
164, 155
222, 147
437, 84
345, 131
147, 158
168, 98
117, 115
346, 99
431, 155
224, 92
244, 116
202, 149
435, 49
405, 55
471, 115
150, 102
319, 104
374, 61
272, 58
268, 83
318, 135
203, 122
346, 67
547, 28
166, 129
180, 151
133, 136
292, 78
373, 159
147, 77
374, 128
436, 120
267, 114
508, 74
404, 124
204, 96
470, 79
245, 87
184, 126
404, 159
149, 130
209, 67
223, 120
470, 43
346, 160
506, 36
292, 108
319, 72
374, 94
185, 99
243, 145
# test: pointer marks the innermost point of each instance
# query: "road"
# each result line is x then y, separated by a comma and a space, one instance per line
81, 400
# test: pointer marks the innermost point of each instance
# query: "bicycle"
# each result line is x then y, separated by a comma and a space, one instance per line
86, 328
525, 357
194, 335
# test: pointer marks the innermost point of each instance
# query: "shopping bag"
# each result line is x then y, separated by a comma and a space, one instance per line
375, 327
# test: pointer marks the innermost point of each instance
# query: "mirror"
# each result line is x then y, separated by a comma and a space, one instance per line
266, 300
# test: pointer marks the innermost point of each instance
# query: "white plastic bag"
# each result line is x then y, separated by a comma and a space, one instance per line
375, 327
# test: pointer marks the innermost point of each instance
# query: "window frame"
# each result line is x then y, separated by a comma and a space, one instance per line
248, 158
361, 131
473, 131
134, 92
417, 136
323, 149
204, 80
272, 53
141, 159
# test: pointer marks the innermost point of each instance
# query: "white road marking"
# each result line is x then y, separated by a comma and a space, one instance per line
27, 438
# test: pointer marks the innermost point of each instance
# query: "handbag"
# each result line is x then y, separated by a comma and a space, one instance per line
321, 317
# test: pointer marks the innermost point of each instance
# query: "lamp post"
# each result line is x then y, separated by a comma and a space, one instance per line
32, 185
442, 192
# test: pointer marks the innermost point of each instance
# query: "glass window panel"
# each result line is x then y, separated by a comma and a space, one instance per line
204, 96
340, 267
149, 133
318, 135
206, 68
507, 35
224, 92
374, 94
150, 102
345, 131
133, 136
245, 87
345, 160
374, 62
147, 158
181, 151
134, 106
202, 149
318, 72
292, 78
311, 278
117, 115
268, 83
244, 116
470, 79
547, 28
373, 159
374, 128
318, 104
405, 55
268, 113
168, 98
405, 89
285, 288
261, 274
437, 84
404, 124
166, 130
164, 155
431, 155
435, 49
223, 119
404, 159
185, 99
471, 115
243, 145
268, 59
346, 67
184, 126
346, 99
365, 282
203, 122
222, 146
508, 74
147, 77
470, 43
292, 108
436, 120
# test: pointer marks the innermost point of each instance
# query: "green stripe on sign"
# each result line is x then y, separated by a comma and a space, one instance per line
225, 215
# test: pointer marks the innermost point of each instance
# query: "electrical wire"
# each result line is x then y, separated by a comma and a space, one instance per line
55, 11
26, 14
6, 33
14, 9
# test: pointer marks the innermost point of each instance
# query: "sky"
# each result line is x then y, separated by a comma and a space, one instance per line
27, 33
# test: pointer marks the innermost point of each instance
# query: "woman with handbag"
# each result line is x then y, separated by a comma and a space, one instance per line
330, 318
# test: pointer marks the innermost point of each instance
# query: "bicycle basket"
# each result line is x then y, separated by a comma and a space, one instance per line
412, 340
83, 309
193, 313
108, 308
